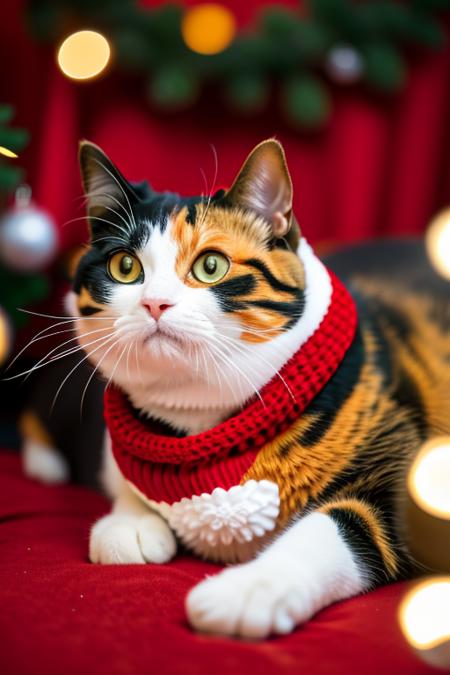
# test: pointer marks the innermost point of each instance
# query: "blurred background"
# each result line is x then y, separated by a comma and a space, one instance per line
357, 91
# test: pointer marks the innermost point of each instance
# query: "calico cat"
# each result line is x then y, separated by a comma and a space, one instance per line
259, 413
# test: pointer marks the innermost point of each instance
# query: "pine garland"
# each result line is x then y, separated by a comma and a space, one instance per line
13, 139
287, 47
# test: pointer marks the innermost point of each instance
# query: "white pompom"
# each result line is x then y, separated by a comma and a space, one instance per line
224, 517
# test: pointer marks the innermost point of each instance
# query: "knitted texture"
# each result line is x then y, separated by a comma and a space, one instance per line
167, 469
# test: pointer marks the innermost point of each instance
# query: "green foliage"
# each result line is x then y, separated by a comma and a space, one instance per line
286, 45
385, 68
306, 101
174, 86
12, 139
248, 92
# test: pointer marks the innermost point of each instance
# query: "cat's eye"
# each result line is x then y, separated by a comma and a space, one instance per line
124, 267
210, 267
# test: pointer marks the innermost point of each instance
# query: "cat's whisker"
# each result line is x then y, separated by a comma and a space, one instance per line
91, 377
86, 386
216, 162
205, 183
105, 168
40, 336
138, 365
87, 356
128, 361
111, 238
45, 360
102, 220
229, 351
262, 331
216, 368
85, 197
244, 349
196, 351
119, 215
238, 381
223, 373
67, 317
205, 366
74, 339
233, 365
115, 366
41, 364
37, 339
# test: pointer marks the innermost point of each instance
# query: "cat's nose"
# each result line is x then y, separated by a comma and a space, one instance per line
156, 307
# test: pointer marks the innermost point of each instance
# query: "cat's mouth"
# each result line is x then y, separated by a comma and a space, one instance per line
160, 336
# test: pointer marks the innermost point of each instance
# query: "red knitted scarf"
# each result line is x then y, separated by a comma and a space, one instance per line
167, 469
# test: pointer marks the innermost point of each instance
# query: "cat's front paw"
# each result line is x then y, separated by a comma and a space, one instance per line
126, 540
252, 600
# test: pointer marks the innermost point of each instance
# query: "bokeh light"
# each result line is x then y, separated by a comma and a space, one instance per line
424, 618
208, 29
429, 478
5, 337
7, 153
84, 55
438, 243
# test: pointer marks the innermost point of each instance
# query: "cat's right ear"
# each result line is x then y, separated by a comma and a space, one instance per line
104, 185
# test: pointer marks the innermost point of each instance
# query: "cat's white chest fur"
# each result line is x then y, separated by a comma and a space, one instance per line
225, 525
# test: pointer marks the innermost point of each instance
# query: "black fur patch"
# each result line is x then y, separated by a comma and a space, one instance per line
89, 310
355, 532
92, 274
275, 283
226, 291
330, 400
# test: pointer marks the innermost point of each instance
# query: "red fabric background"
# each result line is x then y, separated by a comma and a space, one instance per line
382, 166
60, 614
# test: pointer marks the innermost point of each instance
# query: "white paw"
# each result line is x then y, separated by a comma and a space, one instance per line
128, 539
251, 600
43, 463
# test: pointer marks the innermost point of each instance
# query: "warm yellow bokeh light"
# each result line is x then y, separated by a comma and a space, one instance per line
425, 613
7, 152
429, 478
208, 29
5, 337
84, 55
438, 243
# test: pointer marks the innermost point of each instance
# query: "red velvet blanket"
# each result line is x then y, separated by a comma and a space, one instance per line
60, 614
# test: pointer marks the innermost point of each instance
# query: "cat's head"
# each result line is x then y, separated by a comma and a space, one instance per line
174, 290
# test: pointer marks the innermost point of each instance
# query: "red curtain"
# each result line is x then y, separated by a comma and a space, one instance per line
382, 166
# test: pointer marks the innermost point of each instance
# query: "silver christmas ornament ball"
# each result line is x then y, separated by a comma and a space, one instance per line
344, 64
28, 236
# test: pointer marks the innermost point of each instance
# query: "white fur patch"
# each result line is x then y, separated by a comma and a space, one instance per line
128, 540
131, 534
307, 568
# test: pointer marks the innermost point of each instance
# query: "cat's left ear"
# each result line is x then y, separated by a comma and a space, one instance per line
103, 183
264, 185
